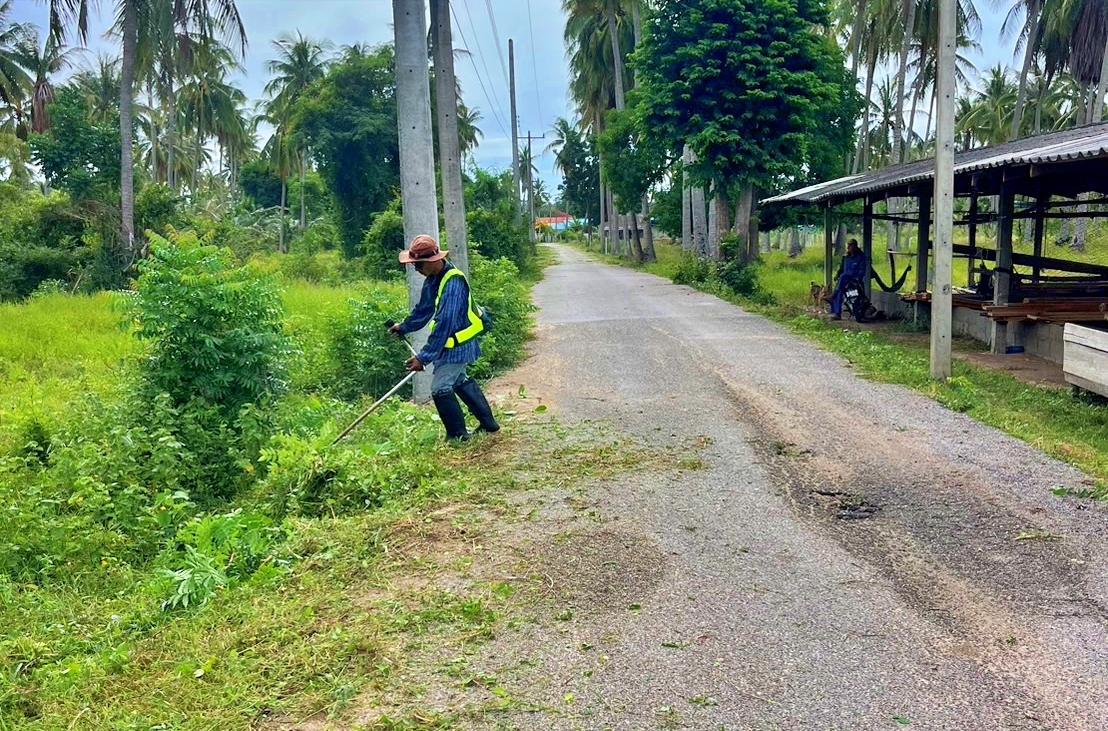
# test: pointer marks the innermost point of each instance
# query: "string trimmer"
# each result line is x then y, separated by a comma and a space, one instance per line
383, 399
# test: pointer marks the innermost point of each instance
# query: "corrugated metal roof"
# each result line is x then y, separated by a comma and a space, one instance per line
1072, 144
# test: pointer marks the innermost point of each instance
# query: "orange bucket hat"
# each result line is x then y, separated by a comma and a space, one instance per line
423, 248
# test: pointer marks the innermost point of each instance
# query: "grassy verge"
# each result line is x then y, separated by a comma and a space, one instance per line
1064, 425
333, 625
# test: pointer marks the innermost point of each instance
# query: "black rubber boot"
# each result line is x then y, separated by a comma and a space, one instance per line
470, 394
450, 411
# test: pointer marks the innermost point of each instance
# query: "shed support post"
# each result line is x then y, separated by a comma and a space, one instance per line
1040, 221
1002, 275
867, 241
972, 239
923, 237
828, 247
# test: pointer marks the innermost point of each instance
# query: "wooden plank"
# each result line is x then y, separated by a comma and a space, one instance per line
1085, 358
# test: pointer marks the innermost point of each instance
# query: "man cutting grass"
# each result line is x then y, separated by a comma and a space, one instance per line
446, 302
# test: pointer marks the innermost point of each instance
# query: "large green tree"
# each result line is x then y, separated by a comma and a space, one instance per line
744, 83
348, 119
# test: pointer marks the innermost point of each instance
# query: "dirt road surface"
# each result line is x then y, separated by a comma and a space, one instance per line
853, 556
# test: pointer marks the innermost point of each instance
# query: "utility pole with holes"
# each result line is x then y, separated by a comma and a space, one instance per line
450, 157
417, 157
941, 305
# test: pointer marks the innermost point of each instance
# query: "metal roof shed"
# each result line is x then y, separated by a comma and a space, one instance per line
1064, 164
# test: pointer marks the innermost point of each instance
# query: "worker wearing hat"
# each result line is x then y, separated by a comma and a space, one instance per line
452, 345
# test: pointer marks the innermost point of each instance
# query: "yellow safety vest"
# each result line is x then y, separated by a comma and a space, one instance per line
476, 325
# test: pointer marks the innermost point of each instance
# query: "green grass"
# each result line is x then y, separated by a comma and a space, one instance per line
52, 350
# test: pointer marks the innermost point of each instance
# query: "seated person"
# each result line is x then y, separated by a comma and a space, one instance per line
984, 284
854, 266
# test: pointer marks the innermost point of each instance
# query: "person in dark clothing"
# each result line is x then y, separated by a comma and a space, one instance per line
456, 322
854, 266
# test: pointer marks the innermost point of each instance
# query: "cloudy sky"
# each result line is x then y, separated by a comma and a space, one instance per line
535, 25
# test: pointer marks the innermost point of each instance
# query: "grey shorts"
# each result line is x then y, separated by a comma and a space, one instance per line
446, 377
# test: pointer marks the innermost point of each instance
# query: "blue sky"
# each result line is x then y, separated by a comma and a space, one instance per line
541, 68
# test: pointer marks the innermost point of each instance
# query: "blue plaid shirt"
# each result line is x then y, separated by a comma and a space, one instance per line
451, 317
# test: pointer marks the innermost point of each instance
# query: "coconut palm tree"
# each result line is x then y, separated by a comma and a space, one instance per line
990, 116
15, 83
300, 62
205, 17
41, 63
99, 85
209, 103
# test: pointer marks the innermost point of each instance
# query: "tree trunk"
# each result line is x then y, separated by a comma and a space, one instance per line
199, 145
795, 248
856, 45
930, 116
453, 199
870, 71
281, 232
722, 216
746, 225
603, 219
303, 179
1025, 70
699, 221
1101, 88
635, 239
171, 128
648, 231
617, 58
908, 13
126, 158
686, 204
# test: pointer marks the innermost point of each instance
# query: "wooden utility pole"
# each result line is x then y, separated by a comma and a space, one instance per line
450, 158
515, 127
941, 304
417, 158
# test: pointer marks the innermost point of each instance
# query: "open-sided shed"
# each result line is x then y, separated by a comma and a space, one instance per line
1050, 171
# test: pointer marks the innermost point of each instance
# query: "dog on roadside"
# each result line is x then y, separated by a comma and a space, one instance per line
819, 296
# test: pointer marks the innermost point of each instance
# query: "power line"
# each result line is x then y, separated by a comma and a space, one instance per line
488, 97
496, 37
534, 64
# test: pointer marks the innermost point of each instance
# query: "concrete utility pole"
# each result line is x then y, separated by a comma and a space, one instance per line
515, 126
531, 187
941, 305
686, 203
417, 158
450, 157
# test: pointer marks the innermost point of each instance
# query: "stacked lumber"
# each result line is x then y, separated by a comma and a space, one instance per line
958, 299
1061, 310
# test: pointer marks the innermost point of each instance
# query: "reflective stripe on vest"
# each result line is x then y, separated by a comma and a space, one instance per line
475, 323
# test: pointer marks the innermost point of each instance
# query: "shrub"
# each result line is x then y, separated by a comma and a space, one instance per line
213, 326
495, 236
498, 288
383, 242
321, 235
691, 270
363, 359
156, 209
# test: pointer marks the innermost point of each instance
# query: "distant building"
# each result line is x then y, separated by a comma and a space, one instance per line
560, 221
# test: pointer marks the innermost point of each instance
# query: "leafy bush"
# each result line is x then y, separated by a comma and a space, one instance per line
305, 476
214, 327
321, 235
216, 552
498, 288
495, 236
156, 209
691, 270
383, 242
362, 358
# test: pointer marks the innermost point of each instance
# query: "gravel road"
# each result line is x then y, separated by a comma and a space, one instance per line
853, 557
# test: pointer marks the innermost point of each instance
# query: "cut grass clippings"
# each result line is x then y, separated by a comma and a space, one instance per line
327, 633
